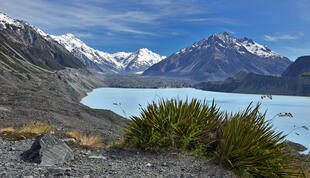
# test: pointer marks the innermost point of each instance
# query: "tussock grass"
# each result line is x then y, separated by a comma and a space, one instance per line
7, 129
244, 142
173, 124
36, 128
250, 145
28, 131
93, 141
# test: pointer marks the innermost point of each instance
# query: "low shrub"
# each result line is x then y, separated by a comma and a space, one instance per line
244, 142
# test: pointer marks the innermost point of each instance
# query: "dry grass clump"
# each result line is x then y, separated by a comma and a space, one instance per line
36, 128
28, 131
92, 141
8, 129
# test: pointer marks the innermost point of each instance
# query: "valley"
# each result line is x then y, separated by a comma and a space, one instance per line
46, 78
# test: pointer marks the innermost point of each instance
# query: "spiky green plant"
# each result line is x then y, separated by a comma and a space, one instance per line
173, 124
250, 145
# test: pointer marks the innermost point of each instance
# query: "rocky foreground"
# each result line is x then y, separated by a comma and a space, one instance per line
106, 162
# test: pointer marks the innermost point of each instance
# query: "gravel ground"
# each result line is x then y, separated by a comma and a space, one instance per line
108, 162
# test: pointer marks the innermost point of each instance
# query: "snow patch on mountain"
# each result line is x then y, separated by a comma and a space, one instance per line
6, 20
258, 49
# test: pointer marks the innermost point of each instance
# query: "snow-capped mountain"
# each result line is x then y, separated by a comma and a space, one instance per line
218, 57
129, 62
24, 48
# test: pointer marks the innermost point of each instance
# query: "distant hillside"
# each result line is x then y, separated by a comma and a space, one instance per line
300, 67
245, 82
218, 57
21, 43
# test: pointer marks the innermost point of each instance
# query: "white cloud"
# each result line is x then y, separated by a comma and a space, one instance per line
283, 37
213, 20
140, 17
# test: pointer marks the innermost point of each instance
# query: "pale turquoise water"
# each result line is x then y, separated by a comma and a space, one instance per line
126, 102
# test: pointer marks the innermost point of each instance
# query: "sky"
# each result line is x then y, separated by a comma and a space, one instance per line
166, 26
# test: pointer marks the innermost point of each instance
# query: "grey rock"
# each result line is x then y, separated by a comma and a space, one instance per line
97, 157
48, 150
69, 140
148, 165
58, 171
164, 164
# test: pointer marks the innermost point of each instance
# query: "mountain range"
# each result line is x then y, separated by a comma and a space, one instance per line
120, 62
218, 57
249, 67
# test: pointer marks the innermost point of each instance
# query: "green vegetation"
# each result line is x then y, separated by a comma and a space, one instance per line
244, 142
173, 124
249, 143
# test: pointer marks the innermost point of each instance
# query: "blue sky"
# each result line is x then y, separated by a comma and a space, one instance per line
166, 26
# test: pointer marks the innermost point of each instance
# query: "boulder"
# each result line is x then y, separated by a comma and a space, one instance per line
48, 150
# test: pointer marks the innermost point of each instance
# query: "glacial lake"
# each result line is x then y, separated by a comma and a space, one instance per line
127, 102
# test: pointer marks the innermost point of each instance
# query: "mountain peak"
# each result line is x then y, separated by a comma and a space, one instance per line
222, 37
218, 57
143, 51
70, 35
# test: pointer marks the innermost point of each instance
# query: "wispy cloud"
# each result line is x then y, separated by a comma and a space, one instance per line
137, 17
213, 20
83, 35
283, 37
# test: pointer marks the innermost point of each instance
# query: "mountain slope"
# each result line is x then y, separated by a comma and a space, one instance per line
300, 67
245, 82
20, 43
32, 88
134, 62
219, 57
